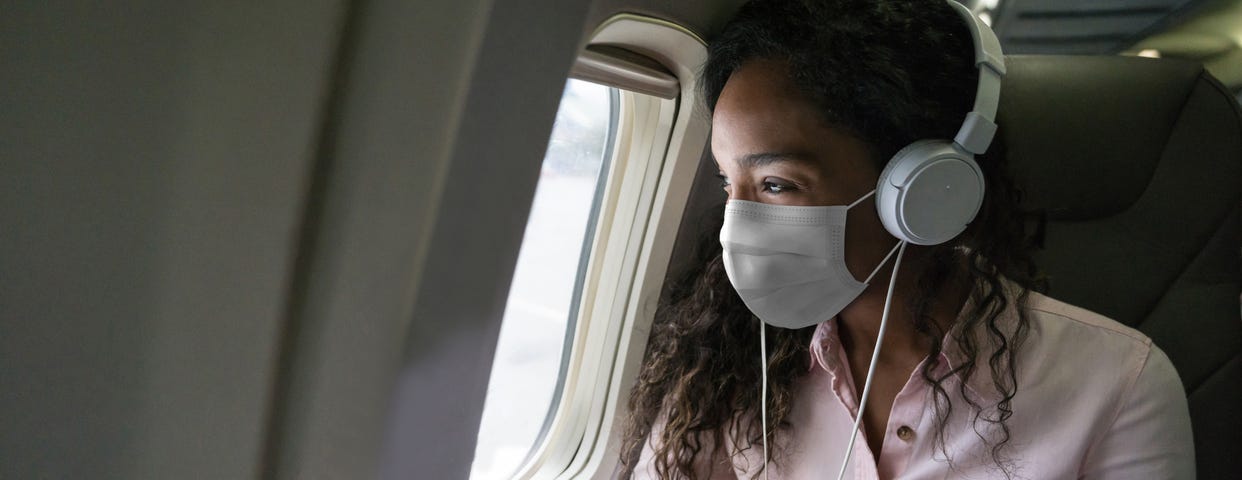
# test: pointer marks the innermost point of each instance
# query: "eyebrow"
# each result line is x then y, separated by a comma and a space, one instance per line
768, 158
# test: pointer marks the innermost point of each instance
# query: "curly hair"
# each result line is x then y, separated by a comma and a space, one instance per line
888, 72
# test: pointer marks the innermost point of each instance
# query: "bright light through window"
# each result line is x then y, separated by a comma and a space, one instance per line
543, 297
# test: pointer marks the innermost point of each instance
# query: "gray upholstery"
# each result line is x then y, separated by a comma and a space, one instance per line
1137, 164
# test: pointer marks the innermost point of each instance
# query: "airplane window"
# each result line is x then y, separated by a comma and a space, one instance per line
527, 371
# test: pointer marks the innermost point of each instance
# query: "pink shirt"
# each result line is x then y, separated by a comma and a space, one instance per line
1095, 400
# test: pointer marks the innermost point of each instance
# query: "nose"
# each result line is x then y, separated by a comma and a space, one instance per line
736, 193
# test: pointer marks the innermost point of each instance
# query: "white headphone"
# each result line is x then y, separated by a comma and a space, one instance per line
932, 189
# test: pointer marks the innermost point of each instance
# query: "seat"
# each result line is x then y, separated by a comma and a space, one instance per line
1136, 166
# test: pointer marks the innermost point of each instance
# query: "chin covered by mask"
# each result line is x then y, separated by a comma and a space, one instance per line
787, 263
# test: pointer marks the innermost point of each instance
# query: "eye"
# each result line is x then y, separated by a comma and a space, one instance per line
724, 181
777, 187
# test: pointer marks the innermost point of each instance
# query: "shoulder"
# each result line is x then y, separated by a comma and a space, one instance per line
1129, 402
711, 461
1076, 334
1093, 360
1082, 354
1050, 312
1091, 339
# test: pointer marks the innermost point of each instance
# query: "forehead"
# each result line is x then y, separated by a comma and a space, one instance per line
761, 110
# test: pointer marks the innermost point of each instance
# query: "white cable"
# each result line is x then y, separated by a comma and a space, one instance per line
882, 262
875, 355
763, 395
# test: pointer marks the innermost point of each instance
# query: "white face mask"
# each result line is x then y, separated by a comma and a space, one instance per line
788, 263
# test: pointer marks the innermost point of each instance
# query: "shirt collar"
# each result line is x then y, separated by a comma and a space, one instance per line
826, 344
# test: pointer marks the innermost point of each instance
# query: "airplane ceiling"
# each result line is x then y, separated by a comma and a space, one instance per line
1024, 26
1203, 30
1072, 27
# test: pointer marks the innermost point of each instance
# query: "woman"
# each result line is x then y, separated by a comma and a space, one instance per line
978, 376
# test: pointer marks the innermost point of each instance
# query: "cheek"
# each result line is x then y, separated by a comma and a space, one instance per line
866, 240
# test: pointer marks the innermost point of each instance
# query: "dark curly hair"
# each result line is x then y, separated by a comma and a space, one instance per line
888, 72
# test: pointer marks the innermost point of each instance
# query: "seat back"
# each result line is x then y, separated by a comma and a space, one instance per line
1136, 164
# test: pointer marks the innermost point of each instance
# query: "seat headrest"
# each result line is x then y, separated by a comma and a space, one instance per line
1090, 132
1137, 164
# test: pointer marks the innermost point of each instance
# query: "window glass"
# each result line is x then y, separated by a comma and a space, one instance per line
542, 305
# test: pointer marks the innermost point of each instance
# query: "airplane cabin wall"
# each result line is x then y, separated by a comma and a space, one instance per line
154, 158
231, 233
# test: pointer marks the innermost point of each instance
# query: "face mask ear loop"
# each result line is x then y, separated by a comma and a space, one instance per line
875, 355
763, 392
864, 197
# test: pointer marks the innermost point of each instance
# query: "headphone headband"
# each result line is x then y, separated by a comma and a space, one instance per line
980, 124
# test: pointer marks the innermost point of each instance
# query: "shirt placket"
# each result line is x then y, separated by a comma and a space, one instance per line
901, 432
862, 461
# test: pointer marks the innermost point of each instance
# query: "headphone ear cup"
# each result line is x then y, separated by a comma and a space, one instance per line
929, 192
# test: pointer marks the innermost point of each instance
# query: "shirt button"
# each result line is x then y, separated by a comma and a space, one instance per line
905, 433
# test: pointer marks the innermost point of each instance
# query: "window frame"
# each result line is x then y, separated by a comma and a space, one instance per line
584, 254
657, 146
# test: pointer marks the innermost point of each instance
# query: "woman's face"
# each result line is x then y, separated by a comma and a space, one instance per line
772, 146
